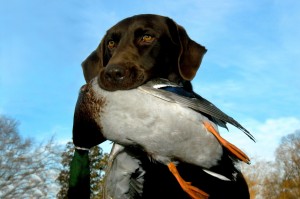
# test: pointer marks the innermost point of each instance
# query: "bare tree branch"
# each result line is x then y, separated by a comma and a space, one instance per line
26, 169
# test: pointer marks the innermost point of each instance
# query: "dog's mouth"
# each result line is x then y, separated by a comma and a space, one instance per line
116, 77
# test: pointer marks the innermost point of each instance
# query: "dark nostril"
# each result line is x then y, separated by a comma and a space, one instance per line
115, 72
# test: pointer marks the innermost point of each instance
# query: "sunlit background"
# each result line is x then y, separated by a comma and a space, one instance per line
251, 70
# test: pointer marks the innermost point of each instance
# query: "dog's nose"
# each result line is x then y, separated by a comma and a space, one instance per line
115, 73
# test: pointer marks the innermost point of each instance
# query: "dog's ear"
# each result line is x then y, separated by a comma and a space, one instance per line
93, 63
190, 55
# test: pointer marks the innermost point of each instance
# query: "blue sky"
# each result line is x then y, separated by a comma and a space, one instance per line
251, 70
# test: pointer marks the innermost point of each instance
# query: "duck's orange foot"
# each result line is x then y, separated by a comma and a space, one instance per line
192, 191
233, 149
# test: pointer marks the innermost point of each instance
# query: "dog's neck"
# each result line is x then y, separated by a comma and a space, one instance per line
173, 77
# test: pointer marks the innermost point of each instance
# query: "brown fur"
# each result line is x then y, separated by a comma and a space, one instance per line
131, 61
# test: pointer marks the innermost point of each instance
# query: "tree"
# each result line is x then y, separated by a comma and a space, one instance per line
279, 179
27, 170
98, 161
255, 174
288, 163
63, 177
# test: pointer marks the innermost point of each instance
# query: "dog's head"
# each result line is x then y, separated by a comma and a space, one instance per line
140, 48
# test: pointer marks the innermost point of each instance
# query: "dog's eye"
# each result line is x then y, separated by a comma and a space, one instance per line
147, 38
111, 44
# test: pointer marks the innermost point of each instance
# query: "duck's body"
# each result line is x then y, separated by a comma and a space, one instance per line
166, 131
167, 126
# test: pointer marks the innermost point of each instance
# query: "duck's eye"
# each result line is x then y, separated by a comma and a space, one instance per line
147, 38
111, 44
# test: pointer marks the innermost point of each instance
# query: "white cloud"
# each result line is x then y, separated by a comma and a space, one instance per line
267, 134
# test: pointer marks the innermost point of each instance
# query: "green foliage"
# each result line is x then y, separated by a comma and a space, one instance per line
63, 178
98, 162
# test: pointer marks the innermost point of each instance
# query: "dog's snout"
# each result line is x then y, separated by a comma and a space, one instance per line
120, 77
115, 73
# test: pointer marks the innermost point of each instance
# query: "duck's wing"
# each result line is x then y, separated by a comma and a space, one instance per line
124, 176
176, 94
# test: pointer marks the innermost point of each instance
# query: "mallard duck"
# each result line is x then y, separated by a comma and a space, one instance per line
162, 119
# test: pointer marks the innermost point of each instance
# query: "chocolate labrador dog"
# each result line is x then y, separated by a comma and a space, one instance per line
134, 51
140, 48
